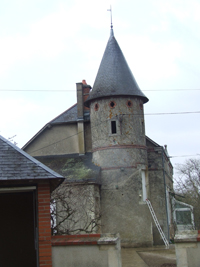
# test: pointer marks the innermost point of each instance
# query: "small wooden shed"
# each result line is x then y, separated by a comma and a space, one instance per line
25, 225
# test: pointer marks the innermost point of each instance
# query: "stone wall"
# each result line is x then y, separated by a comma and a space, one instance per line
95, 250
129, 122
121, 153
160, 184
123, 208
187, 245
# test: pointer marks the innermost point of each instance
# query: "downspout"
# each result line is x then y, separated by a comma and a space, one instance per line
165, 193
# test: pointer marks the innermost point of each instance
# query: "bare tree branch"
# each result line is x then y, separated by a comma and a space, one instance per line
75, 209
188, 184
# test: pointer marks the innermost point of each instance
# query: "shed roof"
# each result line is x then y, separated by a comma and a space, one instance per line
114, 77
15, 164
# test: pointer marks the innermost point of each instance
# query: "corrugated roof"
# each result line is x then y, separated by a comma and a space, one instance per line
15, 164
114, 76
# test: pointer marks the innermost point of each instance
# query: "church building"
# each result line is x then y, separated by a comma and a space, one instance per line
101, 140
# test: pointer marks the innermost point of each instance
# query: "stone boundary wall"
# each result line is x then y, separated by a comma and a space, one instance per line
88, 250
187, 245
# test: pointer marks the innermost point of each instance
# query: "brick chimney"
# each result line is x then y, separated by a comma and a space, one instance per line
82, 90
86, 91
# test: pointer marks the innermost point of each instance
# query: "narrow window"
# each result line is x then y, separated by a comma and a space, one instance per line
96, 106
144, 191
113, 127
142, 126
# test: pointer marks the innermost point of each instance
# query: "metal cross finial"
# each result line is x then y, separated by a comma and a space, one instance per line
110, 16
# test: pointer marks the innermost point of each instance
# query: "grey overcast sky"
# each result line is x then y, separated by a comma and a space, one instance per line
48, 46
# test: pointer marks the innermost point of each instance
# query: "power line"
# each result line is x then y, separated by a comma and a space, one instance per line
98, 124
164, 90
184, 156
66, 138
162, 113
60, 90
35, 90
173, 113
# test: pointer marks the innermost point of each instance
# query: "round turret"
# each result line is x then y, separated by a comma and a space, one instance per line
114, 77
119, 147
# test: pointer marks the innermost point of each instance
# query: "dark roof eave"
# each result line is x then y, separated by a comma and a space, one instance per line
89, 100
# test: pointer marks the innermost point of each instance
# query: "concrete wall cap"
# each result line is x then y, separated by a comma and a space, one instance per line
186, 239
186, 236
107, 240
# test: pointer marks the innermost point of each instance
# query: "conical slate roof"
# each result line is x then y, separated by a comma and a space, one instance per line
114, 76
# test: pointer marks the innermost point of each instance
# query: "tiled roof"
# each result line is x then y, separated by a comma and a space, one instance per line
114, 77
69, 115
15, 164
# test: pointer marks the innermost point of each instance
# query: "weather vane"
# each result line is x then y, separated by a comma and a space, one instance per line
110, 16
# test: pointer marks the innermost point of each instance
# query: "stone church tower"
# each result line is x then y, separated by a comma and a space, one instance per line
119, 148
